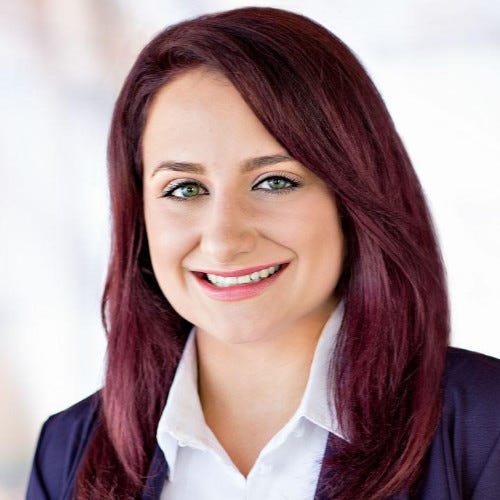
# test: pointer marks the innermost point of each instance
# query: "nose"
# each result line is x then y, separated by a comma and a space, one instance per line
228, 230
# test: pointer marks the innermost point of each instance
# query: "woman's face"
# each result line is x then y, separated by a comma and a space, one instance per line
245, 241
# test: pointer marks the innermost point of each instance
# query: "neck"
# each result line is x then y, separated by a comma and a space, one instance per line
253, 388
232, 373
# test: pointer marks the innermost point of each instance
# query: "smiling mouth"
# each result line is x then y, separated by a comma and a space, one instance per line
255, 277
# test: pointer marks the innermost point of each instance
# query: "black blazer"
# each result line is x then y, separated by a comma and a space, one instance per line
463, 460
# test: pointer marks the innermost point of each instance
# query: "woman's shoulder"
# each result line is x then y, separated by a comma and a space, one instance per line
78, 412
464, 456
63, 439
73, 424
471, 393
458, 358
472, 382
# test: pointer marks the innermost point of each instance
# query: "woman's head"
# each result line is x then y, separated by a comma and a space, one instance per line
308, 91
312, 97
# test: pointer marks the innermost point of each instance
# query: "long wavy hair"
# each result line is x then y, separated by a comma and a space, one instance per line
315, 98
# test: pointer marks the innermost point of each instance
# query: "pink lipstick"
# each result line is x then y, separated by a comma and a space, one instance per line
229, 292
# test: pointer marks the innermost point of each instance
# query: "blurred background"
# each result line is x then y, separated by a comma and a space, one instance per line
436, 63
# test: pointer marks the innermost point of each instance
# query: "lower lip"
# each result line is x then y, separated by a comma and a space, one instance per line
238, 292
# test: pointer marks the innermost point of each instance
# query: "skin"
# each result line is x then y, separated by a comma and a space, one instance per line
253, 354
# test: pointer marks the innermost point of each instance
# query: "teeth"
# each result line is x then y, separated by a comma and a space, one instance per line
241, 280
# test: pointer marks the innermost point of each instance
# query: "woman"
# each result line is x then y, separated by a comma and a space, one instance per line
276, 298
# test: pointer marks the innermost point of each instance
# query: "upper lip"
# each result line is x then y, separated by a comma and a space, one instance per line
236, 272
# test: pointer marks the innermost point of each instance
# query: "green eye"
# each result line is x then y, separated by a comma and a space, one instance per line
277, 183
188, 190
185, 190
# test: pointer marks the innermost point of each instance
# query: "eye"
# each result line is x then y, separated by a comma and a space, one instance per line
276, 183
184, 190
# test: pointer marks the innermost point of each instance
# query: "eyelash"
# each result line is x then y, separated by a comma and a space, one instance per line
168, 193
291, 185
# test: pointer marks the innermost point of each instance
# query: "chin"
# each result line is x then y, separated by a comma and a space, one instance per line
233, 333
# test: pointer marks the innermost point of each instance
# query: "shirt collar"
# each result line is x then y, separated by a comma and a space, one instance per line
315, 404
182, 422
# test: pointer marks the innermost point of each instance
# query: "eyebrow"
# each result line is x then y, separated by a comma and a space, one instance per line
197, 168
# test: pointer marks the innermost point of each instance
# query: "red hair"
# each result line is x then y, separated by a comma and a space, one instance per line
315, 98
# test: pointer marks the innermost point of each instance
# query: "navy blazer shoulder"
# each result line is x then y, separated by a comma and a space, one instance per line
62, 442
463, 461
464, 457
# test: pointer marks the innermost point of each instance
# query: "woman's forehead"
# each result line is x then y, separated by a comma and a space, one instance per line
201, 117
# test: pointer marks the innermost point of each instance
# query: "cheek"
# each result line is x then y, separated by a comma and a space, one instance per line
313, 226
169, 239
320, 240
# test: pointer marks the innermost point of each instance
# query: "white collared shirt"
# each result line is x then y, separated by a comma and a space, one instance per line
287, 467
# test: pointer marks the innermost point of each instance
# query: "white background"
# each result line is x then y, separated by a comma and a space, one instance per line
436, 63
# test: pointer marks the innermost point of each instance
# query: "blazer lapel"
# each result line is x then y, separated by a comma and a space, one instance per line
157, 475
325, 476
